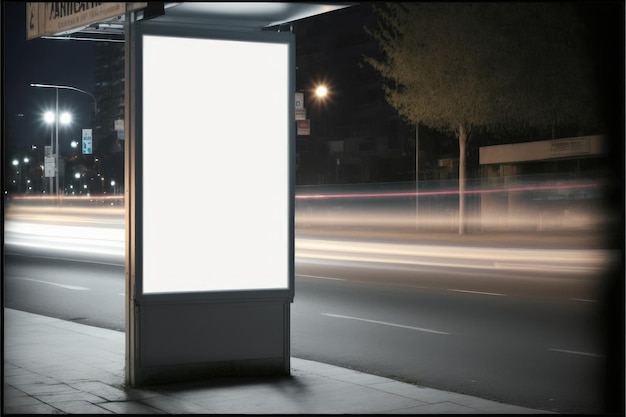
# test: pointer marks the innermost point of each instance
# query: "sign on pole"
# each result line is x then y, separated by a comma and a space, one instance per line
299, 101
304, 127
49, 166
87, 142
119, 128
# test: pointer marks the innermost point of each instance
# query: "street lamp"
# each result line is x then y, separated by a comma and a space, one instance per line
50, 118
78, 178
16, 164
67, 87
321, 91
66, 118
18, 171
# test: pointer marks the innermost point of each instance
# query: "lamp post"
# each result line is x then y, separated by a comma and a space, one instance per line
18, 174
321, 95
417, 137
26, 179
79, 179
56, 119
49, 118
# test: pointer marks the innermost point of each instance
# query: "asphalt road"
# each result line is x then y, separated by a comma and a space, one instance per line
542, 352
514, 325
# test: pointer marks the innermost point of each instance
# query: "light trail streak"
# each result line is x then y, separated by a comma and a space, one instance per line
63, 238
302, 196
490, 258
69, 198
449, 192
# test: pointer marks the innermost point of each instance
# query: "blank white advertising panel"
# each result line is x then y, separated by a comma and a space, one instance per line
216, 164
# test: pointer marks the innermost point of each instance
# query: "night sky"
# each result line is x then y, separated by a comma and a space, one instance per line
45, 61
72, 63
68, 62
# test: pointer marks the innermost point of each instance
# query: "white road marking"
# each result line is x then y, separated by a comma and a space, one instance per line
318, 277
412, 286
478, 292
68, 287
421, 329
595, 355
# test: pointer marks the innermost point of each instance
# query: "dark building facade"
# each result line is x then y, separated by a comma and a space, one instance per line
355, 135
109, 91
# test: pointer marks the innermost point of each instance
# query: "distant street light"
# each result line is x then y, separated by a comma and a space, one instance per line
18, 171
321, 91
16, 164
49, 117
65, 118
319, 95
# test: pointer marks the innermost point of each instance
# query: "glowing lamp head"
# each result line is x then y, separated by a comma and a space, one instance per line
48, 117
321, 91
65, 118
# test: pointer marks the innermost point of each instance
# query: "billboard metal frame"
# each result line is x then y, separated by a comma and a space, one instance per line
151, 28
270, 306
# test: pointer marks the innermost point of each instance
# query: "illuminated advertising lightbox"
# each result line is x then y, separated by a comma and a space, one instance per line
216, 192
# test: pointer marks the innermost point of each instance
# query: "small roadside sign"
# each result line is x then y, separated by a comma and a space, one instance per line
304, 127
87, 142
299, 101
49, 166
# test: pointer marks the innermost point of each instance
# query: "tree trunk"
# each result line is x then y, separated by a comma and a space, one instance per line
462, 154
417, 132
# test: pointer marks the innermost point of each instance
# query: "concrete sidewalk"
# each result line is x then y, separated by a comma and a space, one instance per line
52, 366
